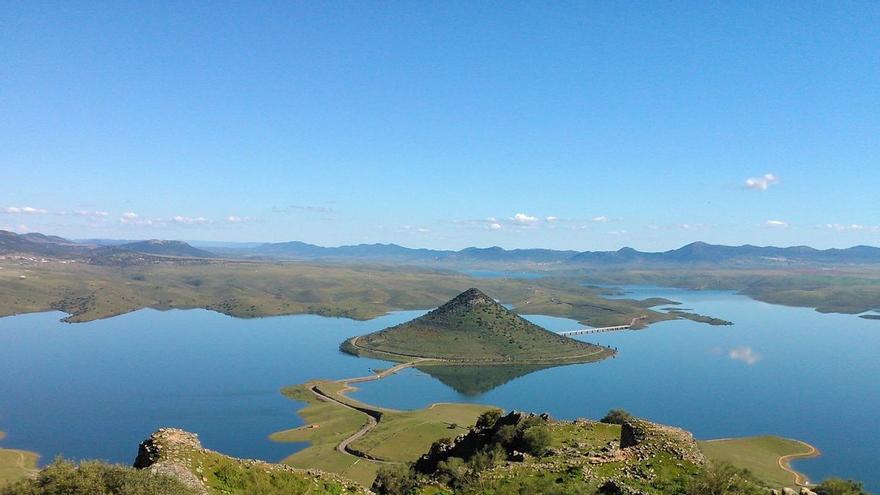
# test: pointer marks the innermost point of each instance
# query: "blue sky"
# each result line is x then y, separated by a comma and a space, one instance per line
583, 125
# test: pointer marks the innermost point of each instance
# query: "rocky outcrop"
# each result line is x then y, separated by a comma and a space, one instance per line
464, 446
643, 439
180, 454
163, 453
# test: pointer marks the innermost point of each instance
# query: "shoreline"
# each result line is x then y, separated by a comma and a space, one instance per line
800, 479
784, 462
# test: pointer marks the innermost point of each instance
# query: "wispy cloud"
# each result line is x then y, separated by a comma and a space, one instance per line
179, 219
692, 226
239, 219
91, 213
24, 210
132, 218
419, 230
761, 183
776, 224
853, 227
600, 219
744, 354
306, 208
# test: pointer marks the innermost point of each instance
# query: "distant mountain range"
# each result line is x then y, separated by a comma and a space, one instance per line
45, 245
697, 253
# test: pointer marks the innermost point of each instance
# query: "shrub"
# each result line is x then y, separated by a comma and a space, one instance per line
617, 417
723, 479
95, 478
396, 480
536, 440
488, 418
837, 486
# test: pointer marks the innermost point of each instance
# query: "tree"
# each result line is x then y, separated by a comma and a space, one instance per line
536, 440
395, 480
488, 418
617, 417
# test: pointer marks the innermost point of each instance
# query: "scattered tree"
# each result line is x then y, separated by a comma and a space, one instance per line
617, 417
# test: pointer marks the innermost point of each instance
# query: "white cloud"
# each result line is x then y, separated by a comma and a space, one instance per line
238, 219
776, 224
744, 354
410, 228
28, 210
189, 220
551, 219
495, 226
94, 214
600, 219
762, 183
523, 219
132, 218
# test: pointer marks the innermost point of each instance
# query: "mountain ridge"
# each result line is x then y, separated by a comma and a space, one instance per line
696, 253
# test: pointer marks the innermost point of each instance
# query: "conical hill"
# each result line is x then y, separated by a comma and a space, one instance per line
473, 327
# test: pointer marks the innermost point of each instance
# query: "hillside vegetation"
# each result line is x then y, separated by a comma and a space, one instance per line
253, 289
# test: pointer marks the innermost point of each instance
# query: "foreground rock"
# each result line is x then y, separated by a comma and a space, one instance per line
180, 454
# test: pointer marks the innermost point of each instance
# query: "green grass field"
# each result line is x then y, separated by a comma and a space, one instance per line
401, 436
16, 464
760, 455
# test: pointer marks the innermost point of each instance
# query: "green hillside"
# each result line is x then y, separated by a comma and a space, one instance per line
473, 327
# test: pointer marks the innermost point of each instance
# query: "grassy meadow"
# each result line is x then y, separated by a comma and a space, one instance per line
401, 436
16, 464
760, 456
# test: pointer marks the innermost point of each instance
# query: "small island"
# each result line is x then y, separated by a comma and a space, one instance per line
473, 328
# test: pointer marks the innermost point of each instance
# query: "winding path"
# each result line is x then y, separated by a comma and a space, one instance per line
373, 415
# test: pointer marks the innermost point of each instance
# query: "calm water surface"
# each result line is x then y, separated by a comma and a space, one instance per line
94, 390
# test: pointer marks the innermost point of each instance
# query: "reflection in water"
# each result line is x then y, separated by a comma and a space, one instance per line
475, 380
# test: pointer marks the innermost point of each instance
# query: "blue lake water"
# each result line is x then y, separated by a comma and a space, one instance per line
94, 390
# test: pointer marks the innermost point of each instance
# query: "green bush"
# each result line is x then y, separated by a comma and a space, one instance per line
95, 478
617, 417
837, 486
488, 418
395, 480
536, 440
723, 479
